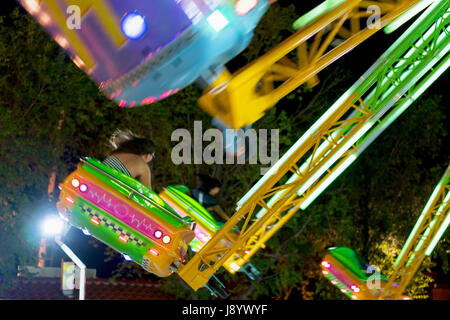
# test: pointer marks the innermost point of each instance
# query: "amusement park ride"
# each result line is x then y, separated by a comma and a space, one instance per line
139, 52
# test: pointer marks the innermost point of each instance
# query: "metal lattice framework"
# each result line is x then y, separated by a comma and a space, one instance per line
241, 98
428, 230
406, 69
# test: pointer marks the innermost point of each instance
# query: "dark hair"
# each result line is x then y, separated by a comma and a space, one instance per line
136, 145
208, 183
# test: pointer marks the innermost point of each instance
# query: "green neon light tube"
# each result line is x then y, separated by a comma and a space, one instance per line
419, 221
336, 173
312, 15
375, 132
414, 10
363, 84
438, 235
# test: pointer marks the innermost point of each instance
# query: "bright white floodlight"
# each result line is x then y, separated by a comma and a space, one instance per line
52, 225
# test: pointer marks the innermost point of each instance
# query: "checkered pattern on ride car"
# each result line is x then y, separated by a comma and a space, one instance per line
111, 225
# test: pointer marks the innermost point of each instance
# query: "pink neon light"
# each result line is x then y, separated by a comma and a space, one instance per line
165, 94
340, 275
149, 100
158, 234
122, 211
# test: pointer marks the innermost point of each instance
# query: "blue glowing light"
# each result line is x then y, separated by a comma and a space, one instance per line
127, 257
134, 25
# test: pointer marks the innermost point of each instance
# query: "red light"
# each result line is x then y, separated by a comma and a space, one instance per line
95, 221
354, 288
154, 252
70, 200
123, 238
242, 7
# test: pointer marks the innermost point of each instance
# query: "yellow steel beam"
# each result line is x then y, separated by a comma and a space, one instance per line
205, 263
236, 98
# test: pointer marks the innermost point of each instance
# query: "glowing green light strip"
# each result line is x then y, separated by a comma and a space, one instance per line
294, 148
430, 79
419, 221
312, 15
363, 83
438, 235
337, 171
428, 230
302, 168
411, 12
335, 157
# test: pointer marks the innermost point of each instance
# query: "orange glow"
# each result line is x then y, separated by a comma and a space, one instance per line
70, 200
123, 238
95, 220
32, 6
62, 41
44, 19
78, 62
